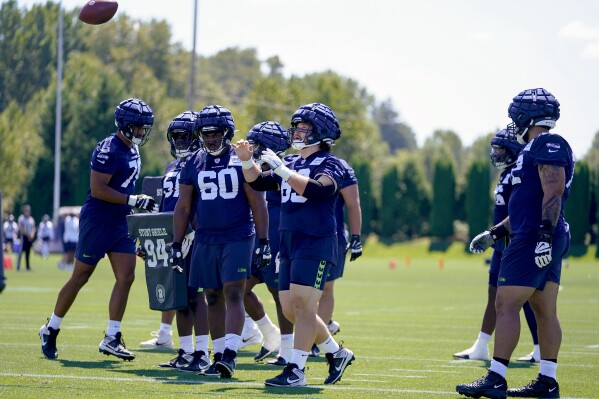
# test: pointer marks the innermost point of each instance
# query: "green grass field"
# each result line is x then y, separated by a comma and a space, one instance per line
403, 324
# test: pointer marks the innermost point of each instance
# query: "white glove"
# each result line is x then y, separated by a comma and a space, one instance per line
276, 164
543, 253
481, 242
143, 202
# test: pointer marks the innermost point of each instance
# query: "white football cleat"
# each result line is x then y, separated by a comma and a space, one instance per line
474, 353
162, 341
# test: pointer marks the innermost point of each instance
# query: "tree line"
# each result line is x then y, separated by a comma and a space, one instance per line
441, 189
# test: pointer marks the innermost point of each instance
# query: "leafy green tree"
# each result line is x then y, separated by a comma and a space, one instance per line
389, 203
442, 214
478, 201
577, 209
397, 135
18, 153
443, 144
362, 170
414, 202
28, 49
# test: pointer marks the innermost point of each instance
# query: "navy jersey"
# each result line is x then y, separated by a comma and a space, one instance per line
502, 193
113, 157
221, 205
349, 179
314, 217
525, 205
170, 185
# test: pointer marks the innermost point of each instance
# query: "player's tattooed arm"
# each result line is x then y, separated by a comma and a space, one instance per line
553, 183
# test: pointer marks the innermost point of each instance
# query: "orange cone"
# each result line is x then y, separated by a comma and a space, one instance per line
8, 262
441, 264
392, 264
408, 262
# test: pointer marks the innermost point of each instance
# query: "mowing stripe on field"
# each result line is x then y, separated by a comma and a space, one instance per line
235, 383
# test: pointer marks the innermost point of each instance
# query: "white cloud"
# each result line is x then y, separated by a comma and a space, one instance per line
483, 36
578, 31
591, 50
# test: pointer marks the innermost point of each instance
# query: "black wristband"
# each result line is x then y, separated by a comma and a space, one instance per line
498, 232
177, 246
546, 230
355, 237
547, 226
263, 241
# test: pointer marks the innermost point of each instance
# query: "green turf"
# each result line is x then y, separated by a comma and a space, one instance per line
403, 324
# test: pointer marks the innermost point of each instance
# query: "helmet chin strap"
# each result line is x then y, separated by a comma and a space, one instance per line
300, 145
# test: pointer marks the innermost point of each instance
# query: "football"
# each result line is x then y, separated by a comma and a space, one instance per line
96, 12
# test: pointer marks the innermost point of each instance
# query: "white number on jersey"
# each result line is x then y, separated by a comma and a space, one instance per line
287, 193
213, 185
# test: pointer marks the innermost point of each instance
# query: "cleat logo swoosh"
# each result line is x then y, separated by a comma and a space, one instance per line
497, 386
552, 389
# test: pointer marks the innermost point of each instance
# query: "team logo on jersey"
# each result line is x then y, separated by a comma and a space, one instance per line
234, 161
317, 161
160, 293
553, 147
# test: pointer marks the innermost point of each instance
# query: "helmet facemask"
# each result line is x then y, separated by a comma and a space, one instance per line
130, 134
182, 143
213, 139
501, 157
308, 139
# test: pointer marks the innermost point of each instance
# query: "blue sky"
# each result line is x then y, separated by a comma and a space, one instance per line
445, 64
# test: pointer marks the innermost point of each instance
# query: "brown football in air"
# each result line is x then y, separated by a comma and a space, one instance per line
96, 12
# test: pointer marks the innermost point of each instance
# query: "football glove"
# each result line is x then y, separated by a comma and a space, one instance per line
140, 251
484, 240
544, 244
355, 247
276, 164
175, 258
262, 255
144, 202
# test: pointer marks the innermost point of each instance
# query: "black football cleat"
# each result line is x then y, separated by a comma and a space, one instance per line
115, 346
338, 361
542, 387
48, 336
226, 366
291, 376
491, 386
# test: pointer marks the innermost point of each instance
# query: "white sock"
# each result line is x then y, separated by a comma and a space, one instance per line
299, 357
328, 346
286, 346
114, 327
265, 325
548, 369
202, 343
232, 342
218, 345
55, 322
536, 352
483, 339
186, 343
165, 328
499, 368
248, 326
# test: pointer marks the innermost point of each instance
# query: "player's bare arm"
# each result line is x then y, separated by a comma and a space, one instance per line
182, 212
553, 183
257, 203
351, 197
101, 190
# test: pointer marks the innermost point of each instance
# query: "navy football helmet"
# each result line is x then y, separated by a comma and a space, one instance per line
181, 134
532, 107
504, 149
211, 121
325, 127
269, 135
134, 113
